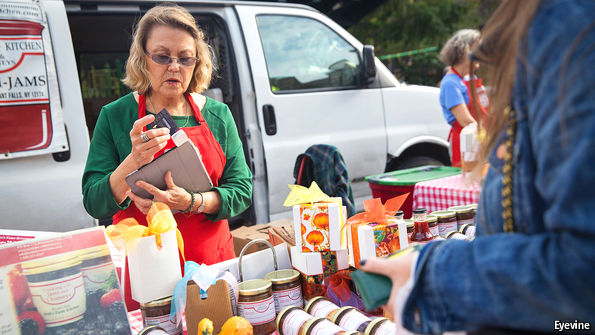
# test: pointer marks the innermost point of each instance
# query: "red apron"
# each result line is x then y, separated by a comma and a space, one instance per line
455, 131
204, 241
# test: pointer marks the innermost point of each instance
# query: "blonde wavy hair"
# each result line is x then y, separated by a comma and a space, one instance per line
137, 74
458, 46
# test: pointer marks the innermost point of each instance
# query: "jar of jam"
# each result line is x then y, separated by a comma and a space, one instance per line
287, 288
97, 268
321, 326
349, 318
255, 301
156, 313
399, 215
464, 215
291, 319
410, 226
468, 230
421, 231
455, 235
57, 289
381, 326
447, 222
433, 224
321, 307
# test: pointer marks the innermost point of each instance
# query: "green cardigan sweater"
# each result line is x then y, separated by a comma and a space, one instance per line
111, 144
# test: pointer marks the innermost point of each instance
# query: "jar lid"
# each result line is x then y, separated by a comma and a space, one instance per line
50, 264
157, 303
399, 212
373, 325
154, 329
282, 276
420, 211
94, 252
254, 286
431, 218
460, 209
308, 307
339, 314
311, 323
444, 214
450, 233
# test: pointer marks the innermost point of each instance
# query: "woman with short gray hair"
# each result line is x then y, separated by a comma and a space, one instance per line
456, 97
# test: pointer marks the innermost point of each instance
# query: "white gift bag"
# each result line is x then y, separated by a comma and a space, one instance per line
154, 271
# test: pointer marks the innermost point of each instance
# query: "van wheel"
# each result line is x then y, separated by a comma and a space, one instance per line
411, 162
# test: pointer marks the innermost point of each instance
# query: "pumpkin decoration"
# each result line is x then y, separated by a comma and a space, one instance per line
303, 229
205, 327
315, 238
236, 325
306, 249
321, 221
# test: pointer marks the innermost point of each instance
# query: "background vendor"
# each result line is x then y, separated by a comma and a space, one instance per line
168, 66
455, 87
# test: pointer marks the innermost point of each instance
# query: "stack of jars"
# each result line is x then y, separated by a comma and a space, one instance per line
458, 222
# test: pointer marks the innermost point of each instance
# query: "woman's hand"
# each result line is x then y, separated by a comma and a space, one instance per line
175, 197
143, 152
398, 269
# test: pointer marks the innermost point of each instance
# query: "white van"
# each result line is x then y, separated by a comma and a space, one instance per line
291, 76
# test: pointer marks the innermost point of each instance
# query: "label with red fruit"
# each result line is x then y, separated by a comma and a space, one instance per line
60, 301
258, 312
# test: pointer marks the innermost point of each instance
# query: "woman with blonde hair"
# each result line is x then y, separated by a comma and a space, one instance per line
168, 66
532, 265
456, 89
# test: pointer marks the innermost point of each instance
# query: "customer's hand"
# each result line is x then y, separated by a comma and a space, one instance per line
143, 151
174, 196
397, 269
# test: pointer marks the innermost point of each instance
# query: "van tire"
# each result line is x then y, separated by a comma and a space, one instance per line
411, 162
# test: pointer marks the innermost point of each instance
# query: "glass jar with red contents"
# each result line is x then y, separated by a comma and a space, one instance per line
421, 230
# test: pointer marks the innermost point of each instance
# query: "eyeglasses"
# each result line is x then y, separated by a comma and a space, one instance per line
166, 60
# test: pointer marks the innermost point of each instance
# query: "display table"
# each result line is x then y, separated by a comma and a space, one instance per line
439, 194
136, 322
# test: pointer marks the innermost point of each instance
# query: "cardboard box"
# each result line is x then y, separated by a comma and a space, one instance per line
245, 234
218, 306
318, 226
390, 238
315, 263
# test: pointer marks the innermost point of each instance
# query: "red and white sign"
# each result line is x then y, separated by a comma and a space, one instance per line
31, 121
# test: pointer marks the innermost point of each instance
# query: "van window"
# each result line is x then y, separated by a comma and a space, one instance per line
304, 54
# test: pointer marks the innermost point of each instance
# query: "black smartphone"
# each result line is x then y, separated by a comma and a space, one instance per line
164, 120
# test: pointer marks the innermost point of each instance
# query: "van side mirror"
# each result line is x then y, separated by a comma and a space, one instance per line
368, 65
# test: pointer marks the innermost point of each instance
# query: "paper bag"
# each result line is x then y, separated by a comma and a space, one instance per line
218, 306
154, 271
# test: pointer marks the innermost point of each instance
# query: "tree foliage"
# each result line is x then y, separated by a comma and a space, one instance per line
402, 25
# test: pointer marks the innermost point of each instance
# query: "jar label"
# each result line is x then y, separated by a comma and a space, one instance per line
294, 321
446, 227
165, 323
96, 276
60, 301
352, 320
470, 232
258, 312
435, 231
323, 308
467, 221
324, 328
385, 328
289, 297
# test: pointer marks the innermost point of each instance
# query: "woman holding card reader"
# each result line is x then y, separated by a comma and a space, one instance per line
168, 66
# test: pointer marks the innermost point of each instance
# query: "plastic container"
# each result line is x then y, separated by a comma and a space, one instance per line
391, 184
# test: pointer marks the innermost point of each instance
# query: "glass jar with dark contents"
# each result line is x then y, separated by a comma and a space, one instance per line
287, 288
447, 222
433, 224
351, 319
156, 313
321, 307
410, 226
257, 305
465, 215
291, 319
321, 326
421, 231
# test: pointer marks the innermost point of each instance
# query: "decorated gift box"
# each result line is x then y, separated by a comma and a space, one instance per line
317, 218
376, 232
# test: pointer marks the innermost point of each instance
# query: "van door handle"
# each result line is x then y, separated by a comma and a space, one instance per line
270, 123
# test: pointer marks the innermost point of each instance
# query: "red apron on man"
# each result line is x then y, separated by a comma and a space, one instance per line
455, 131
205, 241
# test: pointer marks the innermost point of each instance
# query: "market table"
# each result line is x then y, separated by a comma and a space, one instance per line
439, 194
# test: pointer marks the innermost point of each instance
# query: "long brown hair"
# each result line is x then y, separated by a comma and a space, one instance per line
501, 39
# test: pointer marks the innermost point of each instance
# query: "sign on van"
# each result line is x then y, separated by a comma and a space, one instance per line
31, 121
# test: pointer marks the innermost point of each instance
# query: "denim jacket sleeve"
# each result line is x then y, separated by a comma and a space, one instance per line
544, 272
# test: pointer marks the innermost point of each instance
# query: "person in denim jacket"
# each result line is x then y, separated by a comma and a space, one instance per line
534, 271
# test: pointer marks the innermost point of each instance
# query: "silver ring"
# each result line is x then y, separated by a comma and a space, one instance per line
144, 137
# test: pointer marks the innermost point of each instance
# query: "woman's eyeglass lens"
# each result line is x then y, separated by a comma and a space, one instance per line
166, 60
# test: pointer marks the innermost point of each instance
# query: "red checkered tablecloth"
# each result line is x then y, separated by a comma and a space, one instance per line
439, 194
136, 321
